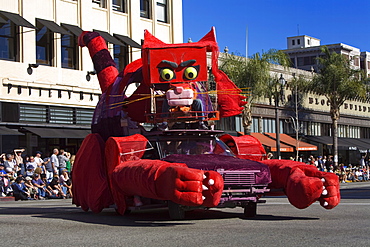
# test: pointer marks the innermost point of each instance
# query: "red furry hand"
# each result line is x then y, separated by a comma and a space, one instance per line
304, 184
168, 181
189, 187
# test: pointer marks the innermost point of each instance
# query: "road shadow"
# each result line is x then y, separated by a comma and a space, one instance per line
355, 193
279, 218
144, 218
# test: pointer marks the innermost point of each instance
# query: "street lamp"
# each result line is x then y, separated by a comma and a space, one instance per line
296, 122
279, 86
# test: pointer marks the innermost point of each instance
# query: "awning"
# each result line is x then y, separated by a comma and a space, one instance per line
75, 30
328, 140
127, 40
17, 19
300, 146
366, 142
267, 141
52, 26
59, 133
4, 131
3, 21
362, 146
109, 38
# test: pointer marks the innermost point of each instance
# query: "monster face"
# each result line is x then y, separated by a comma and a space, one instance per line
177, 65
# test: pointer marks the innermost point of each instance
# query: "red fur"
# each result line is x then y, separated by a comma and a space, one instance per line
106, 77
96, 44
302, 183
91, 191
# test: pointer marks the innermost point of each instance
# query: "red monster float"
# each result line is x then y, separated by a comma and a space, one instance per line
180, 161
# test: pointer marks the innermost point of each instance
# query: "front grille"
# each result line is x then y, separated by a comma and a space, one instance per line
239, 178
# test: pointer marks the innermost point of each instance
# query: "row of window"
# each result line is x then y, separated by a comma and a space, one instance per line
145, 8
27, 113
299, 41
267, 125
45, 37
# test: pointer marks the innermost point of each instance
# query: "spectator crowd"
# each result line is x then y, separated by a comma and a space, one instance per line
346, 173
36, 178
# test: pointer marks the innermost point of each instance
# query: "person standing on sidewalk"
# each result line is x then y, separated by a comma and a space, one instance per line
49, 169
55, 161
62, 158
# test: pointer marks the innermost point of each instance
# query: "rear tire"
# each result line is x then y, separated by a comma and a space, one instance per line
250, 210
176, 211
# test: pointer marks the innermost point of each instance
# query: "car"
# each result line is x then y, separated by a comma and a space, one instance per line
245, 181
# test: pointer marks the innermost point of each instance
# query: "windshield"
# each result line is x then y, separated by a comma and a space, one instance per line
193, 146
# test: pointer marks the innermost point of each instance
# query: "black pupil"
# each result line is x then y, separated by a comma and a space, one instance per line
167, 76
191, 75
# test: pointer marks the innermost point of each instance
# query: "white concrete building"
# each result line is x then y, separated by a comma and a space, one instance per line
47, 94
304, 50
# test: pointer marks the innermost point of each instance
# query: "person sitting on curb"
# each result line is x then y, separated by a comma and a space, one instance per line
4, 181
31, 188
56, 189
20, 191
40, 185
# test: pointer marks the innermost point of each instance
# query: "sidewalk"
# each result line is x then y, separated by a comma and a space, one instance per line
6, 198
352, 185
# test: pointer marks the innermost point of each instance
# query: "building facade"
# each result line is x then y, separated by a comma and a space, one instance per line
308, 115
48, 88
304, 50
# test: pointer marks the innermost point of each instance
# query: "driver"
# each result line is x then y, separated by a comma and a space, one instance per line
232, 146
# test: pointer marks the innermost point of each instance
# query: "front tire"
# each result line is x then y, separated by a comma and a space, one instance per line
176, 211
250, 210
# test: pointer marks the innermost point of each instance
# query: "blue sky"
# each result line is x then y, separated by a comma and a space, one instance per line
270, 22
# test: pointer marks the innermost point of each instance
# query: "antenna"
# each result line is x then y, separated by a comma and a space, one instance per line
246, 42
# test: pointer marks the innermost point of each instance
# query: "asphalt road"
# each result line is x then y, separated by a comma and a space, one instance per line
58, 223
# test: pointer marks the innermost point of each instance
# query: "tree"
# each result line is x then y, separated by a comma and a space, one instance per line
338, 82
253, 77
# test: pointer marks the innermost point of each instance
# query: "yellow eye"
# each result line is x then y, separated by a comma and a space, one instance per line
167, 74
191, 73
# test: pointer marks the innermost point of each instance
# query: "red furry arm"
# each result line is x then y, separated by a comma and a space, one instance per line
104, 65
304, 184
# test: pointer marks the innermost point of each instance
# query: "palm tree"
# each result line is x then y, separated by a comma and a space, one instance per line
338, 82
253, 77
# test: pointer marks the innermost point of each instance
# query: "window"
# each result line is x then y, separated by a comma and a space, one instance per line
162, 11
269, 126
120, 56
44, 45
69, 46
8, 41
145, 9
357, 61
32, 113
119, 5
100, 3
308, 42
84, 116
255, 125
69, 52
300, 61
298, 41
61, 115
293, 42
314, 129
